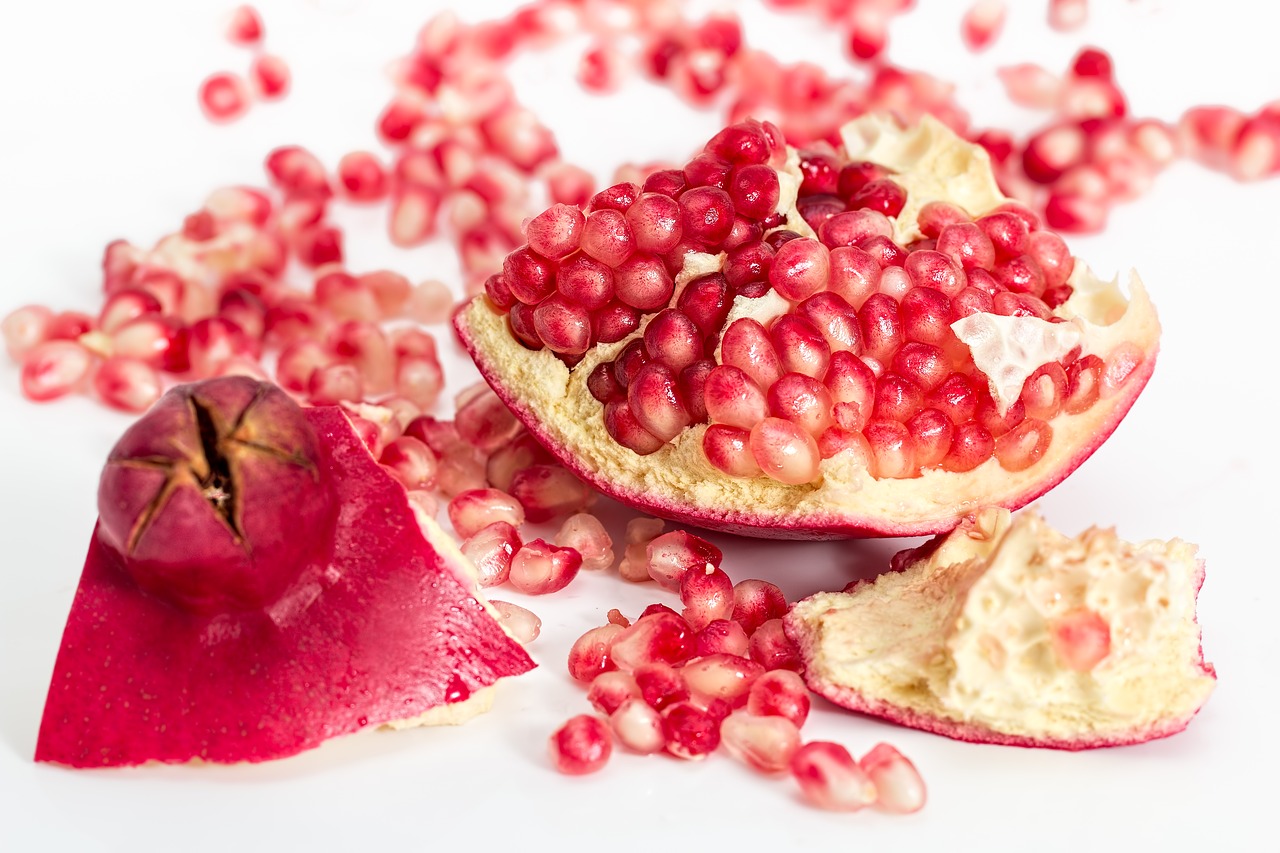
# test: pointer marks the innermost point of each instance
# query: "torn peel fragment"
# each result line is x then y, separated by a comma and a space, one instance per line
1006, 631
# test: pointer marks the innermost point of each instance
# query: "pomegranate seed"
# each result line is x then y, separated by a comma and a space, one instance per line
475, 509
333, 384
625, 428
1024, 445
270, 76
722, 636
830, 778
766, 744
785, 451
733, 398
660, 684
658, 638
655, 222
491, 550
548, 491
707, 594
748, 263
801, 347
319, 245
725, 677
1067, 15
609, 690
223, 97
411, 462
28, 326
297, 172
754, 190
159, 341
673, 339
556, 232
729, 449
982, 23
800, 269
638, 726
581, 746
1081, 639
522, 624
122, 306
892, 449
771, 648
881, 323
53, 369
588, 283
673, 555
539, 568
607, 237
592, 653
127, 384
802, 400
780, 693
747, 346
585, 534
899, 788
642, 282
362, 177
419, 379
691, 732
756, 602
707, 215
244, 27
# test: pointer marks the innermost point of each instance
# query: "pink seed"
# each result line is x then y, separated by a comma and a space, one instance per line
362, 177
26, 327
592, 653
614, 322
609, 690
673, 339
673, 555
971, 445
830, 778
707, 595
801, 347
486, 423
1081, 639
748, 264
244, 28
1051, 254
892, 449
556, 232
332, 384
657, 638
780, 693
585, 534
224, 97
565, 327
660, 684
53, 369
853, 386
364, 346
747, 346
127, 384
654, 398
691, 732
625, 428
159, 341
121, 306
771, 648
638, 726
931, 434
706, 301
548, 491
1024, 445
1052, 152
725, 677
412, 219
882, 331
296, 171
655, 222
722, 637
587, 282
706, 215
634, 566
728, 449
756, 602
475, 509
270, 76
580, 746
754, 190
607, 237
539, 568
800, 269
643, 282
785, 451
522, 624
848, 229
766, 744
982, 23
834, 318
733, 398
530, 277
898, 398
411, 462
1006, 231
899, 788
926, 315
804, 401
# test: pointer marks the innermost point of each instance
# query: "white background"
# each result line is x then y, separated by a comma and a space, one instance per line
100, 138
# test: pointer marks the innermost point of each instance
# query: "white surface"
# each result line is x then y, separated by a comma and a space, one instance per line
101, 138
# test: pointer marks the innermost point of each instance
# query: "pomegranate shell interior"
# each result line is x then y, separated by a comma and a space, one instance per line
667, 467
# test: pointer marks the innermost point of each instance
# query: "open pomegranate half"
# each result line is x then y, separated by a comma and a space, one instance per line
256, 584
1006, 631
803, 344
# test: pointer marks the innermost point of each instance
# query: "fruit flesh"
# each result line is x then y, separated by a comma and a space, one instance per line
388, 629
676, 480
1008, 632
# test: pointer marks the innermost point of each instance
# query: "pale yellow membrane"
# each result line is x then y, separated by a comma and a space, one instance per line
964, 635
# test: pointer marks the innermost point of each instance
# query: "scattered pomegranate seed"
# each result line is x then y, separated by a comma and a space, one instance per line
245, 26
270, 76
898, 785
585, 534
592, 654
580, 746
475, 509
830, 778
224, 97
127, 384
767, 744
521, 623
54, 369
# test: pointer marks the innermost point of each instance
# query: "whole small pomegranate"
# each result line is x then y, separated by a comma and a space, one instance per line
215, 499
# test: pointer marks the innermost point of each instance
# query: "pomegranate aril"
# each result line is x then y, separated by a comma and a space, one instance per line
618, 197
270, 75
585, 534
539, 568
660, 684
882, 331
223, 96
26, 327
830, 778
707, 595
592, 653
362, 176
614, 322
990, 417
69, 325
672, 555
801, 347
475, 509
623, 427
706, 301
780, 693
244, 27
127, 384
607, 237
898, 398
521, 623
159, 341
706, 215
882, 195
722, 637
931, 434
673, 339
296, 171
586, 281
638, 726
1024, 445
581, 746
855, 274
691, 732
411, 462
656, 638
1012, 304
1044, 390
766, 744
748, 263
121, 306
756, 602
899, 788
802, 400
609, 690
529, 276
724, 677
707, 170
892, 449
54, 369
1006, 231
771, 648
419, 379
971, 445
747, 346
728, 449
656, 223
642, 282
563, 326
548, 491
785, 451
654, 399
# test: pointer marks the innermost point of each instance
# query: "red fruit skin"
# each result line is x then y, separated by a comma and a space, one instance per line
811, 524
855, 701
368, 634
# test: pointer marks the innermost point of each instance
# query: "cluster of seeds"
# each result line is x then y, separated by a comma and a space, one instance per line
720, 673
225, 96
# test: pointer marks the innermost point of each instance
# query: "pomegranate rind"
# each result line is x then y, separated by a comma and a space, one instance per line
387, 628
677, 482
915, 646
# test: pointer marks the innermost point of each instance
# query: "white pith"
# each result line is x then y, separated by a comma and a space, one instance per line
964, 635
932, 164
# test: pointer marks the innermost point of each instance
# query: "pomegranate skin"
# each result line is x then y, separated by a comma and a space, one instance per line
389, 629
204, 496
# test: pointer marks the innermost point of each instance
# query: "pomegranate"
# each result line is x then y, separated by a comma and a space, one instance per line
200, 629
874, 352
1002, 632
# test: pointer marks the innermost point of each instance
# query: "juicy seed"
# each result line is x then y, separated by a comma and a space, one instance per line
691, 733
491, 550
580, 746
707, 595
728, 449
673, 555
766, 744
609, 690
539, 568
780, 693
830, 778
785, 451
521, 623
592, 654
899, 788
638, 726
585, 534
475, 509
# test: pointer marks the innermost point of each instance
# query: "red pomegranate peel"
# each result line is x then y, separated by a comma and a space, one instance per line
390, 630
